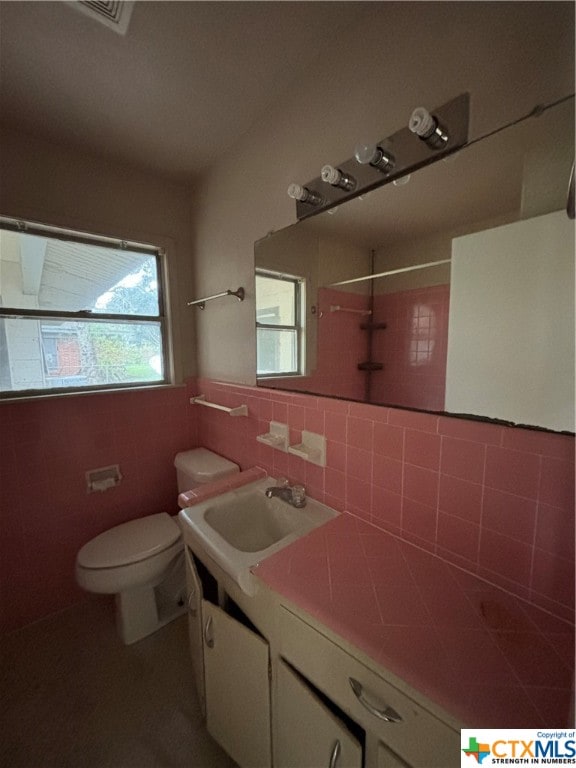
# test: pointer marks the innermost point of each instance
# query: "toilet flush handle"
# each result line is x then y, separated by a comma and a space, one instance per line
192, 609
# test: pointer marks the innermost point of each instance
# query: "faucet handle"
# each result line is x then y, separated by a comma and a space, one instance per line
298, 495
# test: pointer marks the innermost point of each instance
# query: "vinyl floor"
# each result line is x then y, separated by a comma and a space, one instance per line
73, 696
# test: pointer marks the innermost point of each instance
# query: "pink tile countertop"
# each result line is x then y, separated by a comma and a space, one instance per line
487, 658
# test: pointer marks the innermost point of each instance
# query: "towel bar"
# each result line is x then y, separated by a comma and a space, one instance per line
240, 410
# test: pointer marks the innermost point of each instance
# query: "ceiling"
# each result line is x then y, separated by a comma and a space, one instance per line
174, 92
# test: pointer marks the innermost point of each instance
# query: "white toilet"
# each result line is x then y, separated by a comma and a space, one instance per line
142, 561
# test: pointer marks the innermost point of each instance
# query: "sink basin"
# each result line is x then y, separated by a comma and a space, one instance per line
251, 522
241, 528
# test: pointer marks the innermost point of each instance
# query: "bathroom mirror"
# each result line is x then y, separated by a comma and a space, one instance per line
486, 331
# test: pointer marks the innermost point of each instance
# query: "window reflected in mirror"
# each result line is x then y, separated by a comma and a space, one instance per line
278, 324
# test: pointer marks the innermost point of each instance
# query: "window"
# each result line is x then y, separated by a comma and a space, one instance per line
278, 324
423, 336
78, 312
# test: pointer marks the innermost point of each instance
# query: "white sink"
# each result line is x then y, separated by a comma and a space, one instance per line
243, 527
251, 522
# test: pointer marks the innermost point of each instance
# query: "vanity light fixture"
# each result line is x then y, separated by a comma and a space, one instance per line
338, 178
427, 128
304, 195
393, 158
371, 154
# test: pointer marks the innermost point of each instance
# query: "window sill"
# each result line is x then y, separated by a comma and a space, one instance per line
13, 397
273, 376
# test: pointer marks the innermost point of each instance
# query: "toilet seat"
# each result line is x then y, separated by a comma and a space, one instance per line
130, 542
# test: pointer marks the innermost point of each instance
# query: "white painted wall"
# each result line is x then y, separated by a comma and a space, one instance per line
52, 184
511, 326
508, 55
340, 260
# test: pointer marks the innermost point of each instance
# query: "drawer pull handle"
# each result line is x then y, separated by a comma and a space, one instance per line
335, 755
208, 633
191, 603
387, 714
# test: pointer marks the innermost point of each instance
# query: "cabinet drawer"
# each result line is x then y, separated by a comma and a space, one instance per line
307, 733
418, 736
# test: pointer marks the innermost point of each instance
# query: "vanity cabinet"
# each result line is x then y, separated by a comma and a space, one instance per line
237, 663
231, 663
400, 733
195, 640
307, 733
386, 758
279, 688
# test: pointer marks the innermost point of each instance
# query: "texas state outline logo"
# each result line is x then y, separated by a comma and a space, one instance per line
477, 750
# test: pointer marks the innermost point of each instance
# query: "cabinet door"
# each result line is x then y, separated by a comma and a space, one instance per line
194, 598
236, 662
307, 734
387, 758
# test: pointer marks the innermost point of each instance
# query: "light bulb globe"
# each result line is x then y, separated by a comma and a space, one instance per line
366, 154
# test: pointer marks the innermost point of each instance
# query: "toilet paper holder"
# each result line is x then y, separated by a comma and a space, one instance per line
99, 480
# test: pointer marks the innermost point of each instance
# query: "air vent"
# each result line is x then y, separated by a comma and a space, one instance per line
114, 15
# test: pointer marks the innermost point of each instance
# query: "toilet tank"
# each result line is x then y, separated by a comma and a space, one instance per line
199, 466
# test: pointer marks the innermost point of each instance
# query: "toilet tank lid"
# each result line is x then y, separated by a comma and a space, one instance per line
130, 542
204, 466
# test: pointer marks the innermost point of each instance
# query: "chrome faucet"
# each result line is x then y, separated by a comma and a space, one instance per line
295, 495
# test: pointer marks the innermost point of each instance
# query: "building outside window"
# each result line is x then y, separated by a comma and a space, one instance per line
78, 312
279, 326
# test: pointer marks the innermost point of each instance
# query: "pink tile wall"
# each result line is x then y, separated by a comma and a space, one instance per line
341, 346
497, 501
494, 500
46, 513
413, 347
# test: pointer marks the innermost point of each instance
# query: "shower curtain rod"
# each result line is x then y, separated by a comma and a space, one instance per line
392, 272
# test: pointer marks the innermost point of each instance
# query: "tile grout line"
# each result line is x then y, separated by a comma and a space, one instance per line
533, 546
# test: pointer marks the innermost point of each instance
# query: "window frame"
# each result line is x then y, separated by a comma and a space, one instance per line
161, 319
298, 327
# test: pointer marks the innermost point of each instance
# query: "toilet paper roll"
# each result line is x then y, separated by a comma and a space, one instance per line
103, 485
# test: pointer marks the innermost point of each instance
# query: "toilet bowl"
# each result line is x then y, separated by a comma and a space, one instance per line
141, 562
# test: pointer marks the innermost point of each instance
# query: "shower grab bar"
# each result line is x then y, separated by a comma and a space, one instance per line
201, 303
